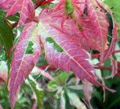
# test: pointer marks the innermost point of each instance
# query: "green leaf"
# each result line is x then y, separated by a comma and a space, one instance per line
62, 76
6, 34
39, 93
114, 6
75, 101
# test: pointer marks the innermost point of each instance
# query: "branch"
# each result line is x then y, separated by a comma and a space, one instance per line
98, 54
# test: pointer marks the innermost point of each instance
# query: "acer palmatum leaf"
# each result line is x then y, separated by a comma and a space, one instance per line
25, 56
111, 48
63, 50
24, 7
114, 31
37, 70
99, 20
75, 100
85, 30
88, 90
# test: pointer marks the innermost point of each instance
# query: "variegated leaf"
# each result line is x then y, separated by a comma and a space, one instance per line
63, 50
25, 56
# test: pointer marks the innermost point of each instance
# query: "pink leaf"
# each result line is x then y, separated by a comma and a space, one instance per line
98, 19
24, 7
62, 48
88, 90
93, 26
37, 70
23, 62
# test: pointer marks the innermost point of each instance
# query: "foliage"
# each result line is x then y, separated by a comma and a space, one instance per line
54, 52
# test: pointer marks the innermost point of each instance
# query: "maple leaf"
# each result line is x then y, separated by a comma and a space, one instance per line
99, 20
63, 50
25, 56
87, 31
88, 90
109, 51
93, 26
111, 48
24, 7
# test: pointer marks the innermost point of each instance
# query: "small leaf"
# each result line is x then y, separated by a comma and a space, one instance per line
62, 101
75, 101
88, 90
37, 70
38, 93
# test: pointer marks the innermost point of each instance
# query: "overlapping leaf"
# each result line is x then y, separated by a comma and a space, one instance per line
25, 56
87, 30
24, 7
93, 26
64, 39
63, 50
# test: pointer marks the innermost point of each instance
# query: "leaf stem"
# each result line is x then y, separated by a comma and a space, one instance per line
59, 78
108, 68
42, 2
98, 54
54, 69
